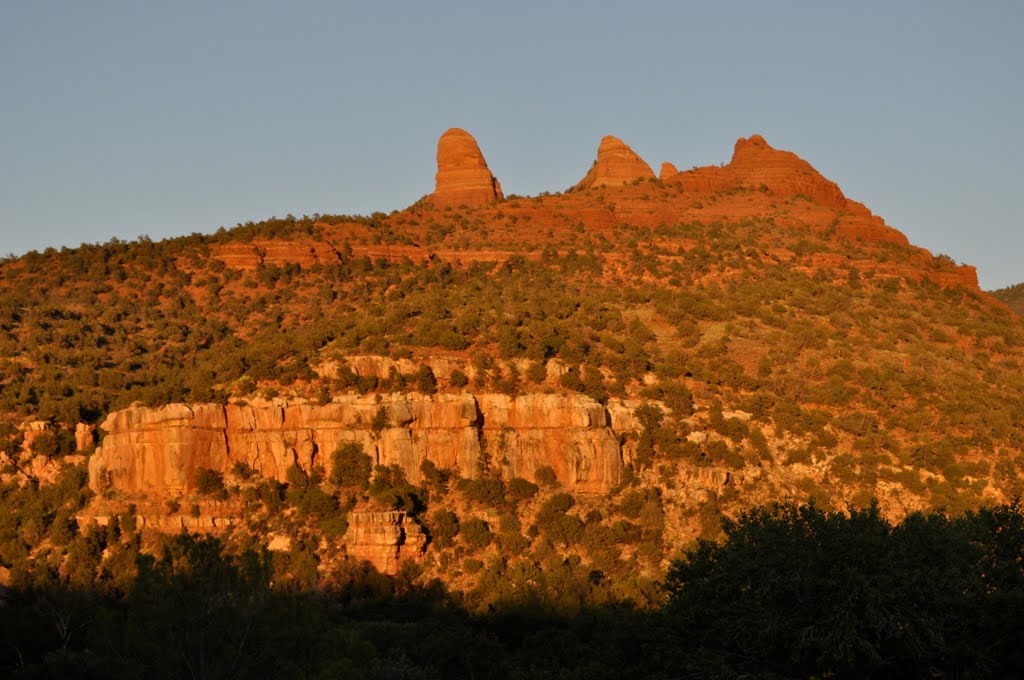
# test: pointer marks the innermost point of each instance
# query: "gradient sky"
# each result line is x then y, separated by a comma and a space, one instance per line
119, 119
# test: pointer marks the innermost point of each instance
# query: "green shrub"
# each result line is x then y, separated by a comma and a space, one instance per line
425, 380
489, 491
351, 466
520, 489
209, 482
391, 489
380, 420
444, 527
537, 372
545, 476
434, 476
475, 533
53, 444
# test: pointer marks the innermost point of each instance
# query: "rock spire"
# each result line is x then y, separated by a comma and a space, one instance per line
667, 170
463, 177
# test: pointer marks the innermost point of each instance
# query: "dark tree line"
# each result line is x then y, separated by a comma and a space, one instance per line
791, 592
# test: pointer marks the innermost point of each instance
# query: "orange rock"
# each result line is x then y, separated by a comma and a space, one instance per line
160, 450
85, 436
667, 170
463, 177
384, 539
276, 253
757, 165
616, 164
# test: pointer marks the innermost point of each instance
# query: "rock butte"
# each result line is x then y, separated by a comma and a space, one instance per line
667, 170
616, 164
463, 177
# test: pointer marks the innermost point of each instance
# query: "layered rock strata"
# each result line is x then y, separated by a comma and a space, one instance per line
463, 177
757, 165
384, 539
161, 450
616, 164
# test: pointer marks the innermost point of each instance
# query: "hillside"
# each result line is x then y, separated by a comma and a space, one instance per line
554, 393
1013, 296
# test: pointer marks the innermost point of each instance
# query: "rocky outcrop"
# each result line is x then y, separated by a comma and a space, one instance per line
85, 436
160, 450
384, 539
667, 170
463, 177
277, 253
616, 164
31, 431
756, 165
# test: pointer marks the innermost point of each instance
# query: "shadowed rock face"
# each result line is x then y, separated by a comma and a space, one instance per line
616, 164
463, 177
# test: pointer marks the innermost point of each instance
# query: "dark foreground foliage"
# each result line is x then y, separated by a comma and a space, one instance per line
792, 592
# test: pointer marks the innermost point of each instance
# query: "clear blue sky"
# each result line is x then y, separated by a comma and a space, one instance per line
130, 118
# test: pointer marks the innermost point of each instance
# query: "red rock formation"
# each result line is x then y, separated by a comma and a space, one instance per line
159, 450
759, 182
31, 431
463, 177
616, 164
757, 165
85, 436
271, 252
667, 170
384, 539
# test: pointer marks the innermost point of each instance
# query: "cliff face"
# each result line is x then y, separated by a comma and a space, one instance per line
384, 539
159, 450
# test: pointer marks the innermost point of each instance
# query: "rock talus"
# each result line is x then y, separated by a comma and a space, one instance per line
463, 177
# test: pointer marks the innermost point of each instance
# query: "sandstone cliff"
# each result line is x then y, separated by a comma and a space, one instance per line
384, 539
160, 450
